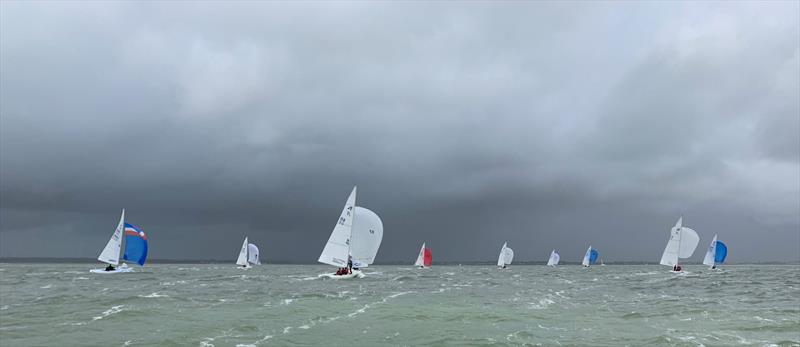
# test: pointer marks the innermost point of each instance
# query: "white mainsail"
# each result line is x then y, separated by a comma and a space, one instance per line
242, 260
586, 256
366, 237
110, 253
682, 243
337, 249
554, 258
420, 258
711, 253
506, 255
252, 254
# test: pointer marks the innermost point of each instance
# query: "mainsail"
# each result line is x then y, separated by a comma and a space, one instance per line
682, 243
252, 254
110, 253
337, 249
506, 256
366, 237
587, 256
554, 258
425, 257
242, 260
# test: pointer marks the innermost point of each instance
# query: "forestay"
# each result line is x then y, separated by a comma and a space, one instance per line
366, 237
337, 249
110, 254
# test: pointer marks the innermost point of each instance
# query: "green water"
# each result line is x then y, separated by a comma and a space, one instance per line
286, 305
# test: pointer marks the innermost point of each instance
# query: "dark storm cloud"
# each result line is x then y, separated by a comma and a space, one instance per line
463, 124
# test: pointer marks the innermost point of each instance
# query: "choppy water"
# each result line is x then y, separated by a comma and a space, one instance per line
286, 305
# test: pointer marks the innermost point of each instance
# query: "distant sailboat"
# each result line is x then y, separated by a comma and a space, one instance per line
135, 248
425, 257
716, 254
554, 258
354, 242
505, 257
682, 243
590, 257
248, 255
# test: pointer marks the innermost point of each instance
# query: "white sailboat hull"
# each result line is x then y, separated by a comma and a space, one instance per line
334, 276
115, 271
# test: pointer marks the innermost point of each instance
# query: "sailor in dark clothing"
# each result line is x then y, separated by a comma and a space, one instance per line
109, 267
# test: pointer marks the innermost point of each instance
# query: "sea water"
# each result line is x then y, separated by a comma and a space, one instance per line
287, 305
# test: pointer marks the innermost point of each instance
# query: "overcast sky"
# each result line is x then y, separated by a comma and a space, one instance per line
463, 124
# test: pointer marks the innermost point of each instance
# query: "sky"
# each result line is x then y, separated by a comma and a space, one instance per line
464, 125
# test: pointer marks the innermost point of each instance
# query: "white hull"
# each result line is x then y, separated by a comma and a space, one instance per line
115, 271
354, 274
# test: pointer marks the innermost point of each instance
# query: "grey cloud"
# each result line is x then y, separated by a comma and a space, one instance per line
464, 125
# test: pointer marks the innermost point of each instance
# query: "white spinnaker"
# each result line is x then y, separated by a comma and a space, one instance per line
506, 255
682, 243
242, 260
421, 257
110, 254
554, 258
252, 254
337, 249
711, 252
366, 237
586, 256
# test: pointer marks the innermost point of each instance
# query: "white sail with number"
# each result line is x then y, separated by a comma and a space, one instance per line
110, 254
366, 237
337, 249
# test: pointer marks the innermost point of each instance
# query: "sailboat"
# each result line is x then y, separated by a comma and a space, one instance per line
716, 254
425, 257
135, 248
682, 243
505, 257
601, 262
590, 257
554, 258
248, 255
354, 242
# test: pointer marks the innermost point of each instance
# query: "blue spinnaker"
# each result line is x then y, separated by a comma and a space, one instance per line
135, 244
593, 256
722, 252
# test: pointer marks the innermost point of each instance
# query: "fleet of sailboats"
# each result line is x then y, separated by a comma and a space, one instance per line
425, 257
135, 241
248, 256
356, 238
